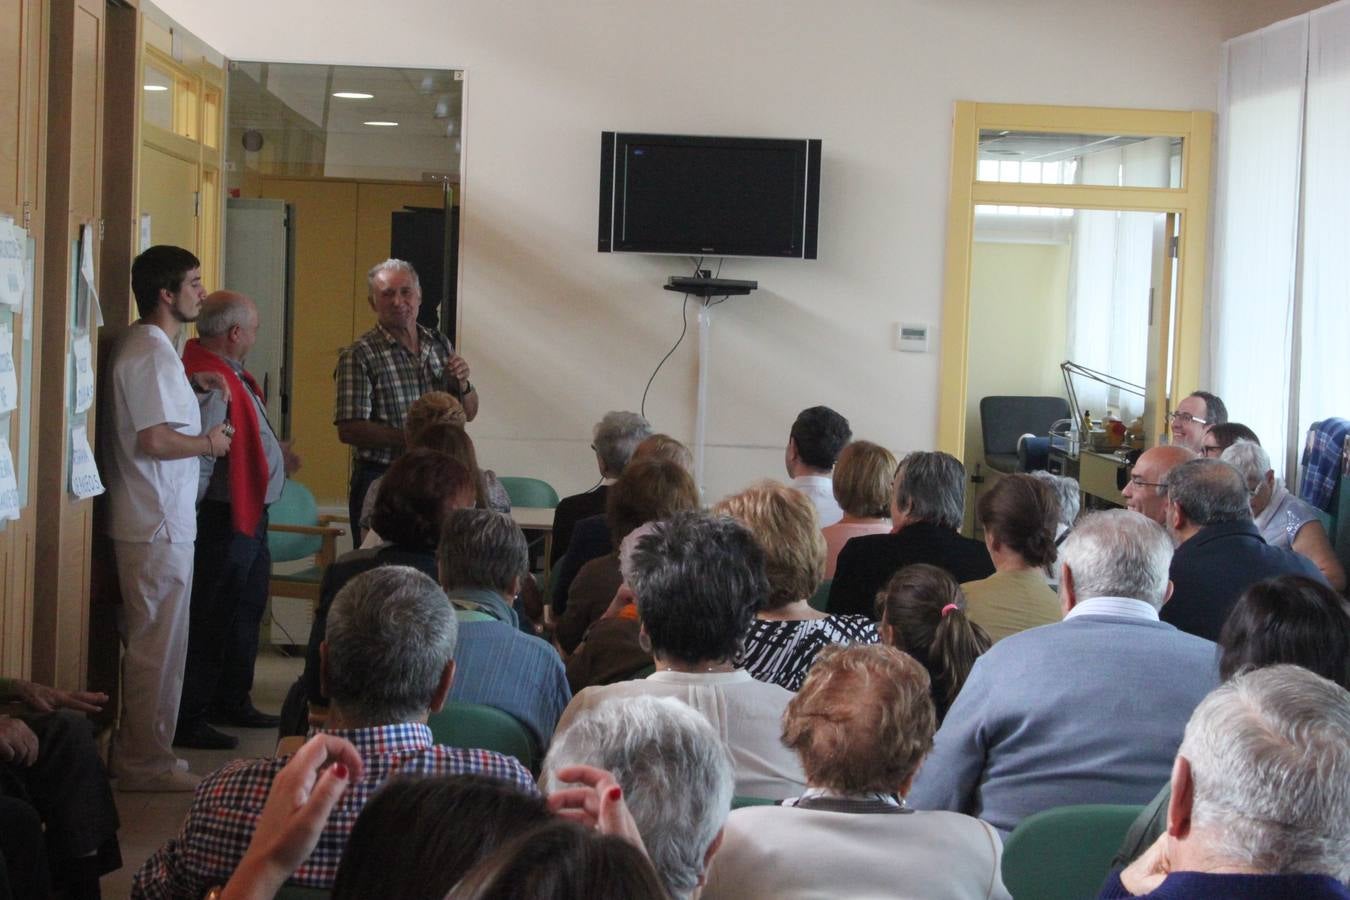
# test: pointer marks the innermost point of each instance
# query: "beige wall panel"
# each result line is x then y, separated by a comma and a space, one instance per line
167, 187
325, 245
13, 14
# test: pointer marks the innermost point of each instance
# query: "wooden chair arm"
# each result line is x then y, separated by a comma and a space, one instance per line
322, 530
328, 518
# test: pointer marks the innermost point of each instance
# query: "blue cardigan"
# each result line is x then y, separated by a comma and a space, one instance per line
1205, 886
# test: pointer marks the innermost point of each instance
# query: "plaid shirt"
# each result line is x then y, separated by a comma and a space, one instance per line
1322, 461
227, 804
378, 379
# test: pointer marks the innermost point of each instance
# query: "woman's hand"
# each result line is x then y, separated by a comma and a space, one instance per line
596, 803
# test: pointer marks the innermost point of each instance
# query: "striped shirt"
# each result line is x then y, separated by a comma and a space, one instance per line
378, 379
781, 651
228, 802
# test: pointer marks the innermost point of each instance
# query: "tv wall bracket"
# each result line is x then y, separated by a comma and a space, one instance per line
709, 287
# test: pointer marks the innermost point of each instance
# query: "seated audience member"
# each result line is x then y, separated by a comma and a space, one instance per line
58, 821
647, 491
483, 560
432, 408
1260, 801
1070, 495
814, 443
927, 504
562, 859
698, 580
1219, 552
861, 725
613, 440
1193, 415
1284, 520
1219, 438
663, 446
415, 494
611, 650
1088, 710
1146, 491
1019, 515
675, 773
787, 633
387, 662
862, 487
1290, 619
923, 612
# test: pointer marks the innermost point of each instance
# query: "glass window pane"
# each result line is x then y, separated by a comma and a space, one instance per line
1096, 159
157, 97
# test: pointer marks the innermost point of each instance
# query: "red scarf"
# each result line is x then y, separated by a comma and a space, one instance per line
248, 463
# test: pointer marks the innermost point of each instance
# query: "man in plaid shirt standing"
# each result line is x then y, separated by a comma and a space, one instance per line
385, 370
387, 662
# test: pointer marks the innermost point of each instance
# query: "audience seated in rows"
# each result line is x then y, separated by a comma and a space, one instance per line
922, 611
1289, 619
1070, 496
861, 726
814, 443
1088, 710
1019, 515
1146, 490
862, 488
698, 580
1260, 801
676, 776
613, 440
648, 490
1219, 552
387, 662
432, 408
612, 648
927, 505
1284, 520
787, 633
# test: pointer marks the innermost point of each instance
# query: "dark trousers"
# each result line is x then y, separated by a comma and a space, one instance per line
230, 579
363, 473
68, 788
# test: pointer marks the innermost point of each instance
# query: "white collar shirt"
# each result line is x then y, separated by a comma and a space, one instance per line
1123, 607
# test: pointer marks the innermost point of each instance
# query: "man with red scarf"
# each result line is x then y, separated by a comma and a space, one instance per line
232, 564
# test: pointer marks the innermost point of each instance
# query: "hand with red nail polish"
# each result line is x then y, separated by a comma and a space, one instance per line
303, 795
594, 799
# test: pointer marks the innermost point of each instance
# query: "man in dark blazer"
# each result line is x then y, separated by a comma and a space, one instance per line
1220, 552
927, 505
614, 439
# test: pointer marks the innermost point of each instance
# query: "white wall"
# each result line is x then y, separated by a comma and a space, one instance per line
558, 333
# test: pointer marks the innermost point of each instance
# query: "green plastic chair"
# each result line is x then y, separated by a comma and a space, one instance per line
295, 531
821, 598
739, 801
529, 491
473, 726
1065, 853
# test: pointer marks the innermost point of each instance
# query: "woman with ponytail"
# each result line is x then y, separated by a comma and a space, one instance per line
922, 612
1019, 515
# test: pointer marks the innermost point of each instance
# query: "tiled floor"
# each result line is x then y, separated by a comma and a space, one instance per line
148, 820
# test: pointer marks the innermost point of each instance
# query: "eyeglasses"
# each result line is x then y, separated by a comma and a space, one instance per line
1186, 418
1140, 483
1211, 450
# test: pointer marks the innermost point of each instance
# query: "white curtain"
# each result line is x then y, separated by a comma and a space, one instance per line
1256, 228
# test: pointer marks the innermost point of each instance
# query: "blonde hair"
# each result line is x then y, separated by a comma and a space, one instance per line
862, 480
785, 524
429, 409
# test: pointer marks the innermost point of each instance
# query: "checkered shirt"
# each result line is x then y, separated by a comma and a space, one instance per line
1322, 461
228, 802
378, 379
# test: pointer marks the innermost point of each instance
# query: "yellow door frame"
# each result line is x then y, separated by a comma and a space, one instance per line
1191, 200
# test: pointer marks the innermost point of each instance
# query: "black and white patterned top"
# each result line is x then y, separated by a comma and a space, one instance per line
781, 652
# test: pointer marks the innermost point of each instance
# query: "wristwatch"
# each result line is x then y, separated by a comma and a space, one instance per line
467, 389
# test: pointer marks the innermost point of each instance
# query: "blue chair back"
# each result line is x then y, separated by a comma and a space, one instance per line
529, 491
295, 506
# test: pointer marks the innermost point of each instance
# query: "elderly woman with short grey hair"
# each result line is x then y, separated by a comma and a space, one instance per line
928, 500
861, 724
698, 580
614, 439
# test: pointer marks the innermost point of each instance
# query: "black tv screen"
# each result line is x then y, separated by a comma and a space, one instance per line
709, 196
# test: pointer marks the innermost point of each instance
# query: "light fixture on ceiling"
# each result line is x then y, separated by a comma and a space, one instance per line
156, 87
382, 124
352, 95
442, 109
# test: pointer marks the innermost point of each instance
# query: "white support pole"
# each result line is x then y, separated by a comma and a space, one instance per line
701, 412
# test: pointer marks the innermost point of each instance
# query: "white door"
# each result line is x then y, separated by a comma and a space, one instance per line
257, 263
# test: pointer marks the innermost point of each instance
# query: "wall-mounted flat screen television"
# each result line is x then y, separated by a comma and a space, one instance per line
709, 196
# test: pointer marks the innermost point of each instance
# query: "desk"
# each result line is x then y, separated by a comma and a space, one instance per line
537, 518
1094, 470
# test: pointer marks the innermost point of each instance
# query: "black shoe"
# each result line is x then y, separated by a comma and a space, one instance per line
200, 736
243, 717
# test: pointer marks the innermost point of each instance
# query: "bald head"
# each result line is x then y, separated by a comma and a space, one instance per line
1145, 492
228, 324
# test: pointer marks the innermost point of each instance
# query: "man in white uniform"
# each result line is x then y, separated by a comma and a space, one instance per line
155, 440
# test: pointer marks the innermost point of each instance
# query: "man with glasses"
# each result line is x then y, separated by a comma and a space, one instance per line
1146, 491
1193, 415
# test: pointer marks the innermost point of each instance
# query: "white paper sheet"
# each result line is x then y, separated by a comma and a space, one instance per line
28, 297
13, 240
95, 311
9, 381
84, 373
84, 480
9, 485
146, 242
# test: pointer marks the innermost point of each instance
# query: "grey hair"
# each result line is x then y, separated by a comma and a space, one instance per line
1118, 553
391, 265
220, 313
481, 548
1249, 458
1209, 491
930, 486
1269, 753
1069, 494
677, 777
391, 632
615, 438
